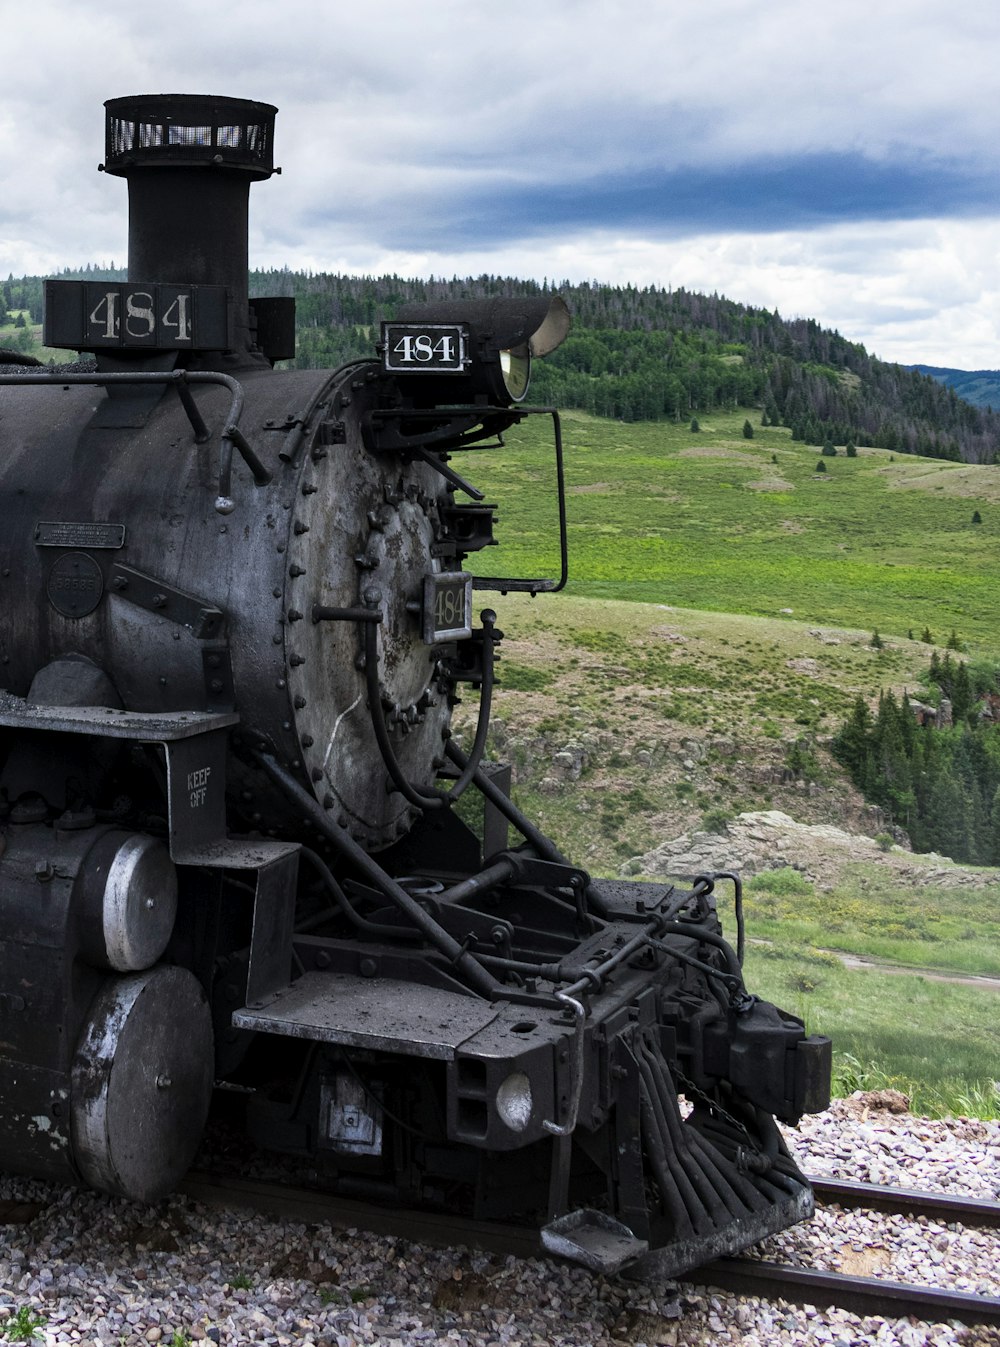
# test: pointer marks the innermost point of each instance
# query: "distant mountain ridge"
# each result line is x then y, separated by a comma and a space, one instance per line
981, 387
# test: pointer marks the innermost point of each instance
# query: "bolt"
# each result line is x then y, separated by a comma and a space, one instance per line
163, 1081
44, 871
367, 968
159, 600
119, 583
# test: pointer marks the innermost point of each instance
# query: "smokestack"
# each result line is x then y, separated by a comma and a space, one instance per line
189, 160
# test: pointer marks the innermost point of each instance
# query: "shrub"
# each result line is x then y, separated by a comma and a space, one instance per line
801, 760
784, 883
829, 450
977, 518
716, 820
747, 430
852, 451
694, 425
821, 466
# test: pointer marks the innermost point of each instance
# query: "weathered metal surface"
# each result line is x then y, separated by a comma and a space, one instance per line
142, 1081
139, 904
380, 1013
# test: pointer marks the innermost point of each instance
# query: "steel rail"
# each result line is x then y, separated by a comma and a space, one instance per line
745, 1276
947, 1207
860, 1295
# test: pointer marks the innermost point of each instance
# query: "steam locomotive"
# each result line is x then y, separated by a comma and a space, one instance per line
236, 617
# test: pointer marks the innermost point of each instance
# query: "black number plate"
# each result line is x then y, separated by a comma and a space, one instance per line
94, 315
425, 348
447, 606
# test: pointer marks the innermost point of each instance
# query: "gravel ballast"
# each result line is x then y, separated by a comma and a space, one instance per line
107, 1271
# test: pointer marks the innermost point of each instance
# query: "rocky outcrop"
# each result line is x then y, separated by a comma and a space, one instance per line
770, 840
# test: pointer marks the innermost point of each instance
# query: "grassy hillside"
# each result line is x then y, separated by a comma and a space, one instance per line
711, 520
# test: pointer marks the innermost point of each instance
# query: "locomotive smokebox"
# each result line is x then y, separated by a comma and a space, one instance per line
189, 160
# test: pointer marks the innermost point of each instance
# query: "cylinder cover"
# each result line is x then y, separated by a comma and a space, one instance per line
142, 1083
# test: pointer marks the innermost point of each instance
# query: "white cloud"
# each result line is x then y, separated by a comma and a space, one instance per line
920, 292
402, 107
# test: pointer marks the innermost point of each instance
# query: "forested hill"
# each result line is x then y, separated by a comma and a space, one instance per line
642, 354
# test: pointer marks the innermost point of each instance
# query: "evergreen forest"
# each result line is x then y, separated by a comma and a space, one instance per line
641, 354
941, 784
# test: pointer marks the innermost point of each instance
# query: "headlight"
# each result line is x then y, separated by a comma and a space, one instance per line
514, 1101
515, 369
460, 351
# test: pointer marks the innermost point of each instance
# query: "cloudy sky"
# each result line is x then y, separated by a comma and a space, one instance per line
838, 162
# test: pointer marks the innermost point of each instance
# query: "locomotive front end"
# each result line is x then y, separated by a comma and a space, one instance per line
239, 606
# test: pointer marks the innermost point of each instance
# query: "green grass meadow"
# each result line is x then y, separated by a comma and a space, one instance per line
937, 1041
707, 520
720, 586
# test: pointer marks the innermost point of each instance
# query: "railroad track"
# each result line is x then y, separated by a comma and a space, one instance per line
873, 1296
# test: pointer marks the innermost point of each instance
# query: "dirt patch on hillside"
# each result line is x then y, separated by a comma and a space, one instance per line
770, 484
973, 481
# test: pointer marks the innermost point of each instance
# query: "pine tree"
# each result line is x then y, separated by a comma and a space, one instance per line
852, 451
995, 829
694, 425
961, 693
852, 741
747, 430
821, 466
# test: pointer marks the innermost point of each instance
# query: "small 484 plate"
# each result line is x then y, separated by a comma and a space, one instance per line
447, 608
